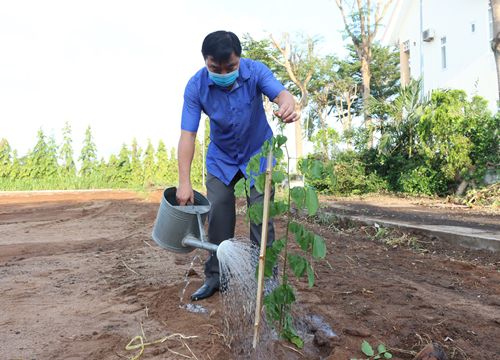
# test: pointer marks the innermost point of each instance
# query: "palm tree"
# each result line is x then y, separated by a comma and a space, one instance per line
404, 115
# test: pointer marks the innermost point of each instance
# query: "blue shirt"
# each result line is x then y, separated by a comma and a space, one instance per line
238, 123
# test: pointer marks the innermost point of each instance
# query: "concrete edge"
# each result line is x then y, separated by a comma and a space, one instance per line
471, 241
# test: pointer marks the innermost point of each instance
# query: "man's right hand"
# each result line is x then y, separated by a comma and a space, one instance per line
185, 194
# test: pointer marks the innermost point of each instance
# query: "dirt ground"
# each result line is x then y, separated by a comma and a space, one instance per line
80, 278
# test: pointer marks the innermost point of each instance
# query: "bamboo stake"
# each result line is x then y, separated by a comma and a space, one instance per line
263, 245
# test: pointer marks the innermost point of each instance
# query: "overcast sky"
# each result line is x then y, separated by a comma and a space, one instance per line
121, 66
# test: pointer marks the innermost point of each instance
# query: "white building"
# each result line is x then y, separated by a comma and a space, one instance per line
446, 43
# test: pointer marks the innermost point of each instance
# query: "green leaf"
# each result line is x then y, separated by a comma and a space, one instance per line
298, 195
255, 212
253, 166
316, 170
297, 341
269, 265
278, 177
278, 245
283, 294
388, 355
272, 254
367, 349
295, 227
304, 239
319, 247
303, 166
289, 333
280, 139
298, 264
381, 348
278, 153
311, 201
310, 275
377, 357
272, 306
278, 208
260, 183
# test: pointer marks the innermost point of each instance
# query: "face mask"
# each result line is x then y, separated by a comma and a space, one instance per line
224, 80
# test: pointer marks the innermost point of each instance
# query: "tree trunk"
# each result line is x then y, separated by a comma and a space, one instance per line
495, 42
366, 74
348, 121
324, 138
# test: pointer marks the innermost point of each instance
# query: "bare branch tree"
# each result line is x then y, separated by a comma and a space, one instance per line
362, 25
292, 60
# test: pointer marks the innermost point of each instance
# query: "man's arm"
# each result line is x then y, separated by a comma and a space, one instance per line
286, 103
185, 153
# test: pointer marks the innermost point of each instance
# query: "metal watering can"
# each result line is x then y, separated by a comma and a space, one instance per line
180, 228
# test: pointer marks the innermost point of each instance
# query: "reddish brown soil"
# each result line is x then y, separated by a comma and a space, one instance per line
80, 278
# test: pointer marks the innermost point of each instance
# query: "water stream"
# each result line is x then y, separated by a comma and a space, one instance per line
194, 308
238, 260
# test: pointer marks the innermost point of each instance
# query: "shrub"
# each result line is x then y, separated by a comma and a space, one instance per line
422, 181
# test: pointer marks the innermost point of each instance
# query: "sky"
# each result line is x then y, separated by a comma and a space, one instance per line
121, 67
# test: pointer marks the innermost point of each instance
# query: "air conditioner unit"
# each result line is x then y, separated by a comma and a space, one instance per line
406, 46
428, 35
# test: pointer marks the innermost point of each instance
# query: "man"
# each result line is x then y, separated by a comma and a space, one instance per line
229, 90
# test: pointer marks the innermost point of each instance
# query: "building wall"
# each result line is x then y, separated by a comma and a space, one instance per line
469, 59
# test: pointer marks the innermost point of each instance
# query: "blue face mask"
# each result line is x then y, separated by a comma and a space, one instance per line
224, 80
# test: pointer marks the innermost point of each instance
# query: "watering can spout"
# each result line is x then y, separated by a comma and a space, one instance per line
191, 241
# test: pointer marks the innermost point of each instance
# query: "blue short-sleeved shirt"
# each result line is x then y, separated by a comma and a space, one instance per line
238, 124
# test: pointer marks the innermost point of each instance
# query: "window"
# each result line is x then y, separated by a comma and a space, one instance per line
443, 52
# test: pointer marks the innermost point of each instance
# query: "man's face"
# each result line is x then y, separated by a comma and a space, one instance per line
224, 67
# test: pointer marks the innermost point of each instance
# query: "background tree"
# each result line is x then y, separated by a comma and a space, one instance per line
68, 167
399, 145
454, 135
385, 82
261, 50
345, 97
149, 164
88, 154
197, 166
172, 171
42, 160
124, 169
161, 164
111, 174
404, 115
361, 25
299, 61
322, 99
136, 167
294, 63
5, 158
16, 169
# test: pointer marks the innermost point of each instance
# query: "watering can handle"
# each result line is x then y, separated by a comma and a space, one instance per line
200, 227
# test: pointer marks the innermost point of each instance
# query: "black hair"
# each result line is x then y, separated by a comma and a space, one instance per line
220, 45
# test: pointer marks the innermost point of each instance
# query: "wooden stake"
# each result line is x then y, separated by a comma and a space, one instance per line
263, 245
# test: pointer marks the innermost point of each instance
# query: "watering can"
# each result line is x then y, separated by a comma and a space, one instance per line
180, 228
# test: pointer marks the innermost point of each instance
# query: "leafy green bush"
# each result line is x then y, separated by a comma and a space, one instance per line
351, 177
422, 181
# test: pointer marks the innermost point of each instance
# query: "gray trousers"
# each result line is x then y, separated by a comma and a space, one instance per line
222, 219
